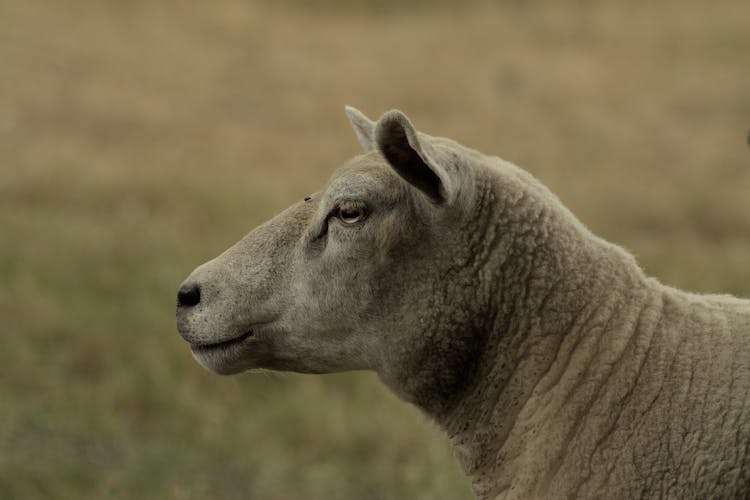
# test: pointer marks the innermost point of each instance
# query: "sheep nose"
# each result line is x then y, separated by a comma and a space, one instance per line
189, 295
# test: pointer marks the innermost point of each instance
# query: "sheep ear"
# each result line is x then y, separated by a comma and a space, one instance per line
363, 127
412, 156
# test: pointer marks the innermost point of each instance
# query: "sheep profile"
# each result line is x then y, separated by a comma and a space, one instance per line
555, 366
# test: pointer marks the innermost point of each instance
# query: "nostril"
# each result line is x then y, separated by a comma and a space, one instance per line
188, 295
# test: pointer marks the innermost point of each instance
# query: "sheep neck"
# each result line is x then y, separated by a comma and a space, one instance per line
551, 334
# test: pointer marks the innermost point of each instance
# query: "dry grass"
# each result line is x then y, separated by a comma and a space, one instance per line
138, 139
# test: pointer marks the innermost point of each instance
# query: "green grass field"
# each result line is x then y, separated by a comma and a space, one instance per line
138, 139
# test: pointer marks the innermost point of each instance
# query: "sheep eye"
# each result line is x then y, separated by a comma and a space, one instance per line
350, 213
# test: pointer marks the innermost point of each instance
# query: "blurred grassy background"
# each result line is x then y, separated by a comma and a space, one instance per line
140, 138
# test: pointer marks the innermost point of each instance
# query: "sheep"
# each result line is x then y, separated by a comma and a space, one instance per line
556, 367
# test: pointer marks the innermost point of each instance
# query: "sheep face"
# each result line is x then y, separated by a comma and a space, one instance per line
330, 282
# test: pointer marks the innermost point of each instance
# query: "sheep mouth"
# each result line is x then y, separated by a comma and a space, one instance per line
197, 348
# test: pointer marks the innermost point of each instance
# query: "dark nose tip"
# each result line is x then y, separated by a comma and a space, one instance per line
189, 295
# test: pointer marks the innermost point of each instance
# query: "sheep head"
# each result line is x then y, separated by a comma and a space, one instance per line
347, 279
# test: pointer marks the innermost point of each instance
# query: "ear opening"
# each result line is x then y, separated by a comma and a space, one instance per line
410, 156
363, 127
